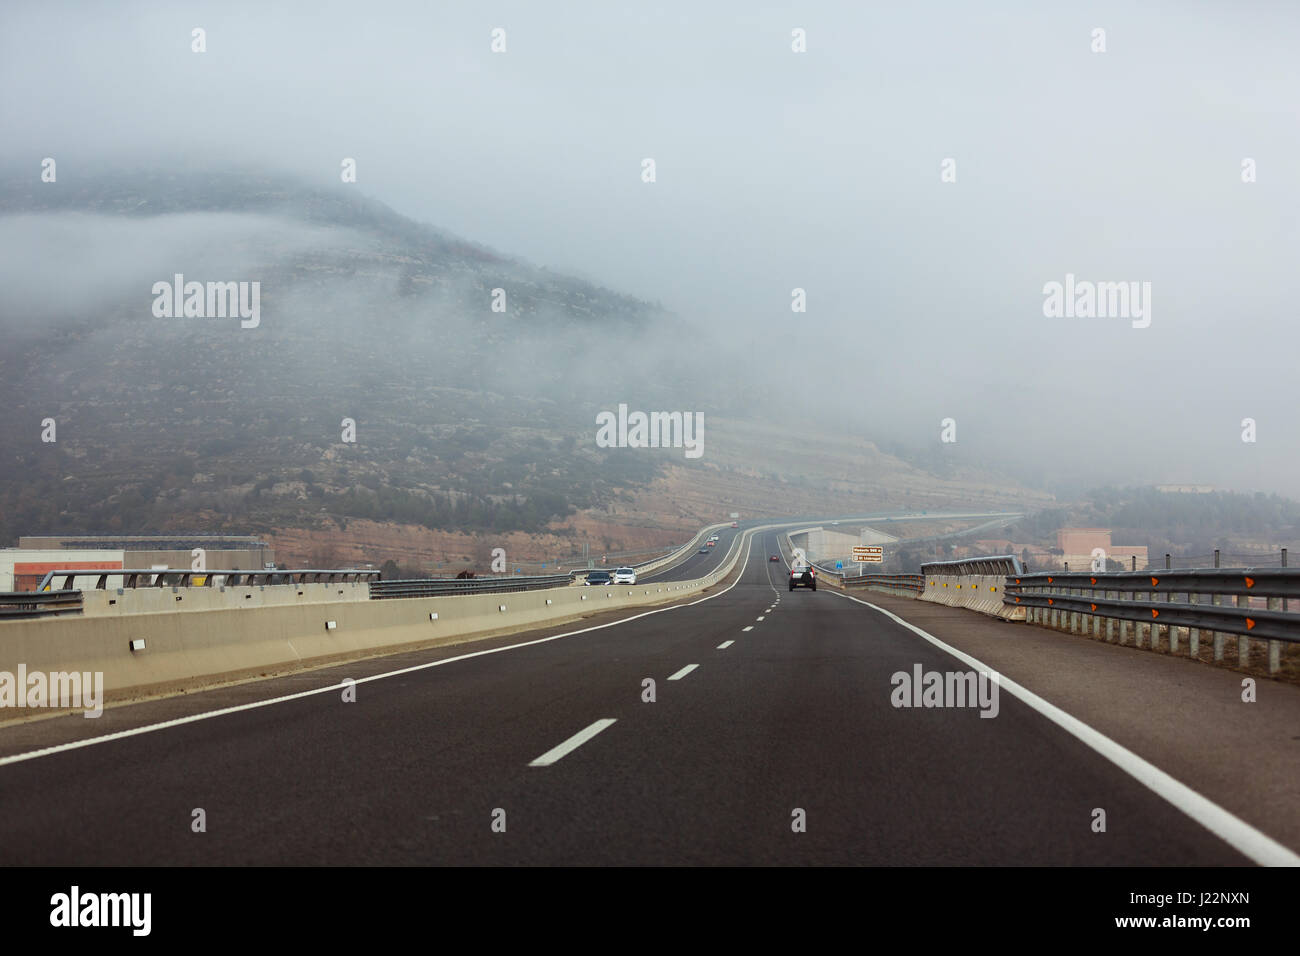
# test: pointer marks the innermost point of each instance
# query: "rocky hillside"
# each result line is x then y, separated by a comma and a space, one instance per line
394, 375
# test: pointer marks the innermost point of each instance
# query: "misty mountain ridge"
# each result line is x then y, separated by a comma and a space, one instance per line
372, 326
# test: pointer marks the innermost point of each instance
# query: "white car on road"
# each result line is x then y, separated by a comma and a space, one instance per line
625, 576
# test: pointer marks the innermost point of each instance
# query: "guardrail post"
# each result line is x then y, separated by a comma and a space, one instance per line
1110, 623
1274, 647
1284, 606
1193, 633
1243, 642
1141, 630
1173, 631
1217, 600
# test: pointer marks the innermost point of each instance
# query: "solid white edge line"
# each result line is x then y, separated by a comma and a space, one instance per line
684, 671
253, 705
573, 743
725, 644
1232, 830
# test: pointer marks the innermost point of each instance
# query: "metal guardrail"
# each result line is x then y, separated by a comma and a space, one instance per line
436, 587
159, 578
905, 582
1191, 601
1253, 582
23, 604
896, 582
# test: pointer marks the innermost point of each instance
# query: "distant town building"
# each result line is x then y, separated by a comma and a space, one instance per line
1078, 544
1186, 489
21, 569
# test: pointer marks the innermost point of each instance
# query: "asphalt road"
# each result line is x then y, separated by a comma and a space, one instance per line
767, 703
696, 565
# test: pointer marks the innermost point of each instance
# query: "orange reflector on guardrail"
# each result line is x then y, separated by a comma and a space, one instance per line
1250, 623
1155, 582
1250, 582
1154, 613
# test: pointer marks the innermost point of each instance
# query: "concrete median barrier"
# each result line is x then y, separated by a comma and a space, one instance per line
161, 640
973, 583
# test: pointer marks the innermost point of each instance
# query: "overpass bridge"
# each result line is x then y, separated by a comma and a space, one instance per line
708, 714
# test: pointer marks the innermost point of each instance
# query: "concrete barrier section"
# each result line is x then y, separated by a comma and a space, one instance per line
196, 637
978, 592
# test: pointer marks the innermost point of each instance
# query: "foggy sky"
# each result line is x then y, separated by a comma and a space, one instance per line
778, 170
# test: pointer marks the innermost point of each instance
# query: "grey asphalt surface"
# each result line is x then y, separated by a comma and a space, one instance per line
794, 715
697, 565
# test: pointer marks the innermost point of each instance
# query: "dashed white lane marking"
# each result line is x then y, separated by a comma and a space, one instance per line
344, 685
759, 618
750, 628
683, 672
572, 744
725, 644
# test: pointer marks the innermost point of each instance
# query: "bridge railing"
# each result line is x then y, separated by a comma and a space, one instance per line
162, 577
1246, 604
436, 587
18, 604
996, 564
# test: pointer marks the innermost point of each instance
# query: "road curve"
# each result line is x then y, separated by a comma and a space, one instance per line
771, 739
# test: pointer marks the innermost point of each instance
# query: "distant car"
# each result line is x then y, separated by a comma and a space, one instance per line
598, 579
775, 557
625, 576
734, 525
704, 550
803, 575
713, 537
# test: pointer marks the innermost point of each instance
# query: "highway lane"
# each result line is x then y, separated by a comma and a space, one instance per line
790, 712
696, 565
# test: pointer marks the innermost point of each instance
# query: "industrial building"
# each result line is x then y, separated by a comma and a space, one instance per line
23, 567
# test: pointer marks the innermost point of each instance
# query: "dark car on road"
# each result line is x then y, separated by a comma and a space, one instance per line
598, 578
803, 575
